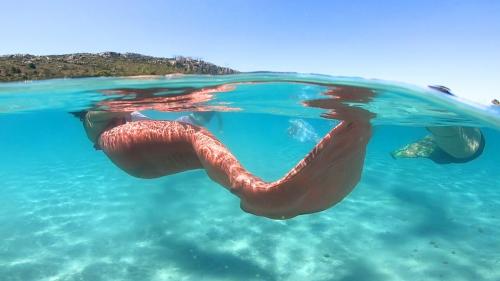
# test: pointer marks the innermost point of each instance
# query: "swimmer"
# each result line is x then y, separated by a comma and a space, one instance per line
151, 149
446, 144
495, 102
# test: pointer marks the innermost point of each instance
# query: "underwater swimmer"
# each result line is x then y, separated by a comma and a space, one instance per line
446, 144
151, 149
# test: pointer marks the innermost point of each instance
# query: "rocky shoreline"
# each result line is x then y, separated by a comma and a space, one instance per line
29, 67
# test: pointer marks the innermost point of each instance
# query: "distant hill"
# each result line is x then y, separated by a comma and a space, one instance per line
30, 67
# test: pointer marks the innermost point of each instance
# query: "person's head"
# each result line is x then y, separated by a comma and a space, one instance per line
495, 102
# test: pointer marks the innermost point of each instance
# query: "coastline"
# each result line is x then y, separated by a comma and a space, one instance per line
27, 67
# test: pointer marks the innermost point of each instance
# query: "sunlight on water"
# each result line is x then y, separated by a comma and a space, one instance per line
68, 213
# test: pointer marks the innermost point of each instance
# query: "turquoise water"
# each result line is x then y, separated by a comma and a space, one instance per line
67, 213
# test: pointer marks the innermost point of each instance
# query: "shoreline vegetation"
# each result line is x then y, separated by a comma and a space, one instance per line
22, 67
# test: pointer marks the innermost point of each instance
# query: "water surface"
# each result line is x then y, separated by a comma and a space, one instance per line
67, 213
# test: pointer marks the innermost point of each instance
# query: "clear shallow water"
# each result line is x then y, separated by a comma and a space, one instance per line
67, 213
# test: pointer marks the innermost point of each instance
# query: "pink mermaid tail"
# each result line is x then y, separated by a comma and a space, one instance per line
150, 149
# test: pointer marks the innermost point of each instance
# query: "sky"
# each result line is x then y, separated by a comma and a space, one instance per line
453, 43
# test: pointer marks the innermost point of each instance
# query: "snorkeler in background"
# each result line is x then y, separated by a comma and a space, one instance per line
445, 144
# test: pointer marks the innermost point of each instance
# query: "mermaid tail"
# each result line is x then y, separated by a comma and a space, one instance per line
150, 149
